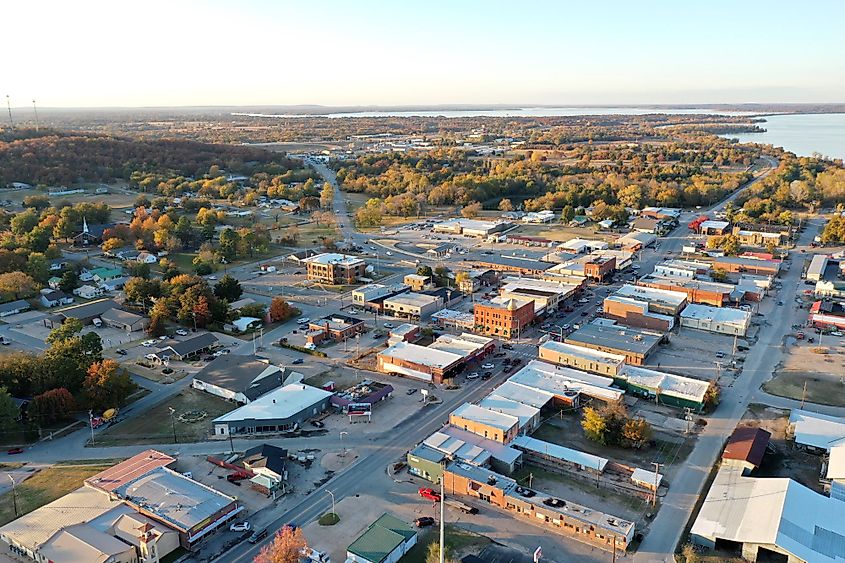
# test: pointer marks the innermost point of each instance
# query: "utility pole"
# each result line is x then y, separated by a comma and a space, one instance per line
804, 394
442, 525
91, 424
614, 549
656, 474
36, 115
173, 422
9, 107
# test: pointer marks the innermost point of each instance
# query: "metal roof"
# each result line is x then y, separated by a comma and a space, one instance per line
817, 430
578, 457
381, 538
616, 338
279, 404
486, 416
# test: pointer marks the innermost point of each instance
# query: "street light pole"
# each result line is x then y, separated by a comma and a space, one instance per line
331, 494
14, 493
173, 423
341, 441
91, 424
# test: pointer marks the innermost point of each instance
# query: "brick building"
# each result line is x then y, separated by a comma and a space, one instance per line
505, 318
333, 268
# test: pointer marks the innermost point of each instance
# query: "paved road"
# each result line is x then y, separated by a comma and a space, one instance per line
347, 231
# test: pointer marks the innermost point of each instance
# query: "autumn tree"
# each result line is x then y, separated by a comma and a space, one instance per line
594, 425
636, 432
326, 196
16, 285
281, 310
461, 277
286, 547
505, 205
471, 210
106, 385
52, 405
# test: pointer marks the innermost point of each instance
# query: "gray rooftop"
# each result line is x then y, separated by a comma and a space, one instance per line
616, 337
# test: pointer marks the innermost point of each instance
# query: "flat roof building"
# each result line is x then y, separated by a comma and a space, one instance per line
682, 268
442, 360
333, 268
503, 317
413, 305
636, 313
704, 292
277, 411
581, 358
722, 320
660, 301
566, 384
517, 264
484, 422
664, 388
818, 265
635, 344
741, 264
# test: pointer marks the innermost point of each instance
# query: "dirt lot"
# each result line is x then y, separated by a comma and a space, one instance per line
692, 353
157, 427
558, 232
821, 366
787, 461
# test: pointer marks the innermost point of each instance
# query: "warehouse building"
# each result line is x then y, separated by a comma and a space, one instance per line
722, 320
412, 305
548, 296
594, 267
771, 518
558, 515
528, 415
635, 344
664, 388
471, 227
697, 291
238, 378
515, 264
659, 301
566, 385
636, 313
584, 359
278, 411
818, 265
636, 241
682, 268
742, 264
814, 431
441, 360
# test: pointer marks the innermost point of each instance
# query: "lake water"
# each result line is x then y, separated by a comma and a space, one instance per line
803, 134
509, 112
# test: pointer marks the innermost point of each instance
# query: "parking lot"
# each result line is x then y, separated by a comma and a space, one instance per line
700, 354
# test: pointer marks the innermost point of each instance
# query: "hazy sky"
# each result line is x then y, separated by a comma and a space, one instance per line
252, 52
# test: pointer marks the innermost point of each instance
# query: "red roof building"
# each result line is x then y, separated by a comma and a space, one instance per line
745, 448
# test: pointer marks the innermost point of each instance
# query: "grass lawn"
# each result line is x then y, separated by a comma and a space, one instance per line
309, 234
155, 427
824, 389
459, 542
46, 486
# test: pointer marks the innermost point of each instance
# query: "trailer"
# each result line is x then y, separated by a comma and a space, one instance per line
465, 508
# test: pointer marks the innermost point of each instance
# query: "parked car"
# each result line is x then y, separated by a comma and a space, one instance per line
499, 355
303, 320
487, 375
121, 351
424, 521
473, 375
389, 325
14, 451
565, 326
310, 346
429, 494
258, 535
239, 527
151, 357
488, 366
148, 343
182, 332
507, 346
411, 391
297, 361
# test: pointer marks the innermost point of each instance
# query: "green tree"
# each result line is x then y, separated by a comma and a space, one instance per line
229, 241
228, 288
594, 425
22, 223
567, 214
8, 411
71, 328
424, 270
70, 281
38, 267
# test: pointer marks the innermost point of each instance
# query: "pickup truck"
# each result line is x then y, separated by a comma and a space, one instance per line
429, 494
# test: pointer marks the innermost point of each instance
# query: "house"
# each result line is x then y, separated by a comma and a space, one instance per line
238, 378
124, 320
58, 265
280, 410
88, 291
267, 460
187, 349
87, 312
647, 225
54, 282
385, 541
101, 275
114, 284
440, 250
14, 307
745, 448
146, 258
54, 298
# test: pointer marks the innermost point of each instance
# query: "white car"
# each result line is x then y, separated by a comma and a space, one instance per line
488, 366
582, 301
151, 357
303, 320
148, 343
240, 527
836, 333
388, 325
565, 326
310, 346
182, 332
389, 253
212, 278
474, 375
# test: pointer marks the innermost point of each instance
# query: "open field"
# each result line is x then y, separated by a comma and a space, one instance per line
308, 234
116, 198
562, 233
821, 367
46, 486
155, 426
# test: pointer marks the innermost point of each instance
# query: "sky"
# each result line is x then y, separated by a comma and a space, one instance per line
92, 53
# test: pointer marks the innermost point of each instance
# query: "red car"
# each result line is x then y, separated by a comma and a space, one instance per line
429, 494
13, 451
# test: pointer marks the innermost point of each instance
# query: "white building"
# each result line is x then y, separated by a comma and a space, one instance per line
412, 305
724, 320
816, 431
